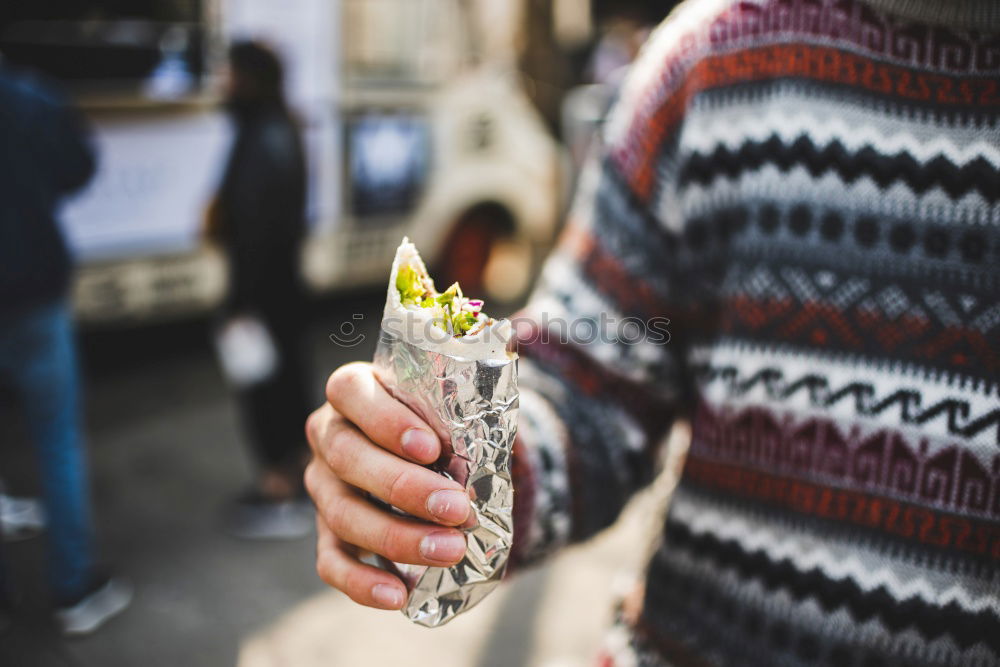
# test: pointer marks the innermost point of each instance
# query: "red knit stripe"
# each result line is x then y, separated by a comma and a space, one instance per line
822, 64
905, 520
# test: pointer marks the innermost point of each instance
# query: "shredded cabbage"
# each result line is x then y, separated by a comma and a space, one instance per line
452, 311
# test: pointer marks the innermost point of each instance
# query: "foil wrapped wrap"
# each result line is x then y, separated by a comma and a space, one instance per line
471, 400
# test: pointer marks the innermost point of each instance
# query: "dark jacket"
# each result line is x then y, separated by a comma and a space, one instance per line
44, 155
261, 203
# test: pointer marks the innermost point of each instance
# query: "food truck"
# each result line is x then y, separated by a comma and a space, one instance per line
412, 114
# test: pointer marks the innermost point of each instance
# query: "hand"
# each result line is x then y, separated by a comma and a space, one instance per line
365, 440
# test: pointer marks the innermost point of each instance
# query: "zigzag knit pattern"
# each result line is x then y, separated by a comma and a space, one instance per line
978, 175
930, 620
861, 396
799, 200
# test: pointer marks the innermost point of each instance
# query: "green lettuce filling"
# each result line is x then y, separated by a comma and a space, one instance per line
409, 284
452, 311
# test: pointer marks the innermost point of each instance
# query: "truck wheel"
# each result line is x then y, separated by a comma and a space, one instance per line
485, 256
467, 252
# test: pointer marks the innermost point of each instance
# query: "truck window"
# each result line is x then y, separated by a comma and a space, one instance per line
150, 48
403, 41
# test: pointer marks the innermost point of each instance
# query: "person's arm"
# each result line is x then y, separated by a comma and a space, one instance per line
601, 376
592, 413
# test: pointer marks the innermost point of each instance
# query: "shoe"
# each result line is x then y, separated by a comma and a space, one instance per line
105, 600
256, 517
20, 518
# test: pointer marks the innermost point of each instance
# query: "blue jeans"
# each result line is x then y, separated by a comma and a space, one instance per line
38, 360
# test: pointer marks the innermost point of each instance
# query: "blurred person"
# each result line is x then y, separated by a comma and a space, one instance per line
45, 154
259, 218
808, 192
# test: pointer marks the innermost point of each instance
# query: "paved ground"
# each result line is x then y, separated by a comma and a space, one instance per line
166, 453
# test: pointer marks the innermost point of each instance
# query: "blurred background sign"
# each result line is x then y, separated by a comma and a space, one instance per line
156, 174
388, 163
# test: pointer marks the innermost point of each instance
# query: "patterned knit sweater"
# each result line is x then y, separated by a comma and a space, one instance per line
809, 191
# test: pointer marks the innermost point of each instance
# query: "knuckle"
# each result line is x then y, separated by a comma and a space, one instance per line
344, 515
311, 477
336, 382
325, 568
399, 488
341, 449
355, 585
393, 544
313, 427
336, 513
345, 380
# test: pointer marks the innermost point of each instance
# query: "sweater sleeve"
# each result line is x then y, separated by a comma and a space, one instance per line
601, 376
603, 339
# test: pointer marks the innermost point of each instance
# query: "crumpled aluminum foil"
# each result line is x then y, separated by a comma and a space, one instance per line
473, 407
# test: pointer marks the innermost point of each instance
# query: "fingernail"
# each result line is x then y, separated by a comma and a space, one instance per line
387, 596
443, 546
419, 444
448, 505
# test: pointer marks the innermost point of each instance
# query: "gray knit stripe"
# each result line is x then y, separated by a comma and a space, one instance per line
837, 558
803, 620
970, 14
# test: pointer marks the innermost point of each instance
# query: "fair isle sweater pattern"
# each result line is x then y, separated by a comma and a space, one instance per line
809, 191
